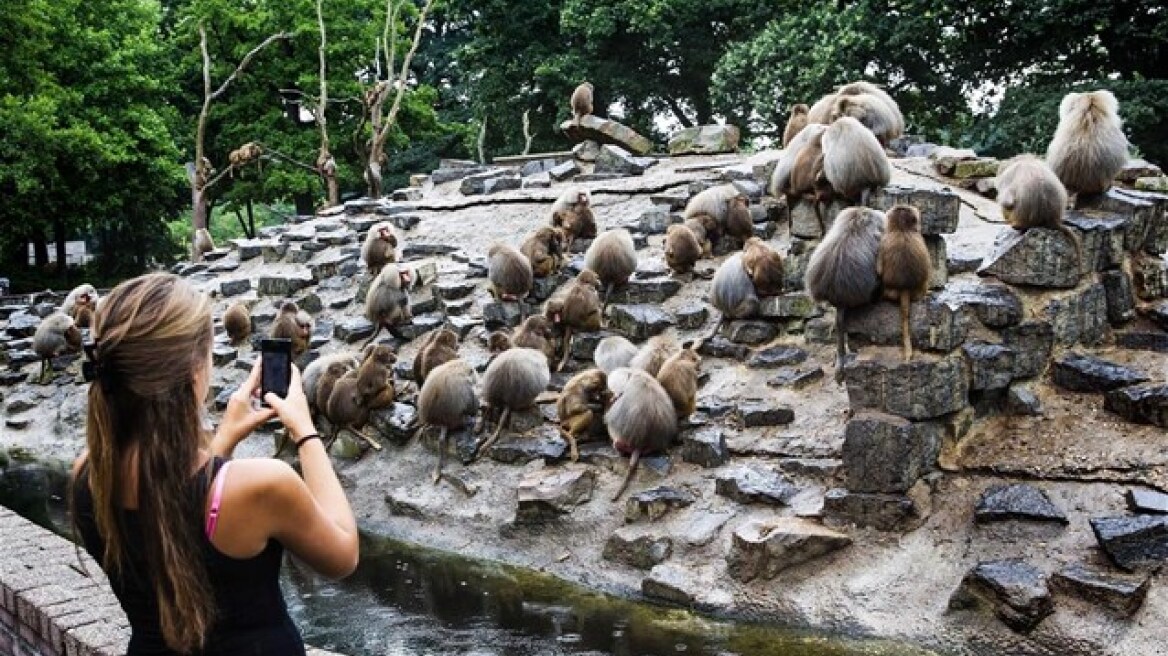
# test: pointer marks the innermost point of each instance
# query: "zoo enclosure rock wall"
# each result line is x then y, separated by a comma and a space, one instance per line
49, 606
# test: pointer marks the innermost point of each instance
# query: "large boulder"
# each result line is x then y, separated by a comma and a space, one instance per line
1015, 590
604, 131
705, 140
1038, 257
767, 548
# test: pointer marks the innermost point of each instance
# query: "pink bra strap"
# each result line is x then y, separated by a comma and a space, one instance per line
216, 500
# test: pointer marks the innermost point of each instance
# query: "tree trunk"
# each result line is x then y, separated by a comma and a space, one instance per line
40, 249
59, 236
704, 110
303, 204
373, 174
251, 231
198, 216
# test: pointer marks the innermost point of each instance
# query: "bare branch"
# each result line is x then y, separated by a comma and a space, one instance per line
322, 105
271, 154
388, 38
482, 141
243, 62
528, 136
401, 87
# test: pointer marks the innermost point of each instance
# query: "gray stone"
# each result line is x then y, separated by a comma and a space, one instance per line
618, 161
883, 512
1101, 236
395, 422
939, 261
1015, 590
334, 238
767, 548
327, 265
417, 327
1022, 401
564, 171
1137, 168
1158, 313
586, 151
252, 248
490, 181
720, 347
796, 378
415, 250
934, 325
994, 305
657, 290
939, 208
633, 547
655, 503
537, 181
1142, 340
604, 131
991, 365
20, 402
669, 583
781, 355
982, 167
407, 194
584, 344
497, 314
234, 287
756, 413
964, 262
1123, 595
1146, 228
1018, 501
945, 158
656, 221
284, 284
796, 305
1079, 316
1038, 257
705, 447
546, 445
705, 140
1149, 277
22, 324
805, 221
1121, 302
1133, 542
546, 494
755, 484
222, 355
750, 332
692, 316
1032, 343
883, 453
353, 330
534, 166
1142, 404
441, 175
921, 389
638, 322
1084, 373
1140, 500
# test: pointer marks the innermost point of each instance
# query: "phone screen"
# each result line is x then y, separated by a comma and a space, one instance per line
277, 366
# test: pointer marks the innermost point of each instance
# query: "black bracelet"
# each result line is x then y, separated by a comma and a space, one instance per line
302, 441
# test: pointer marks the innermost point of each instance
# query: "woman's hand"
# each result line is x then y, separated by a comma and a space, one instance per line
241, 417
293, 409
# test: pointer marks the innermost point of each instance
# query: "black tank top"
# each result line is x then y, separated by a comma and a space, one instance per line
251, 618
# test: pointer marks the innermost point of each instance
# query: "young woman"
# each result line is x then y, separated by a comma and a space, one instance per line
192, 541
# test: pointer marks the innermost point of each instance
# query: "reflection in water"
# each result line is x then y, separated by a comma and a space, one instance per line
411, 602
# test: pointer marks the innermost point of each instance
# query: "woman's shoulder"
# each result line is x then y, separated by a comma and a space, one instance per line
261, 476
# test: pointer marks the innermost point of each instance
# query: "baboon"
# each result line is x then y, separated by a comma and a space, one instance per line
380, 247
732, 293
203, 242
854, 162
739, 223
580, 407
1089, 148
346, 410
842, 269
872, 106
511, 382
80, 304
1031, 196
375, 377
572, 213
682, 248
294, 324
387, 303
576, 307
679, 379
498, 341
780, 183
446, 399
820, 111
244, 154
805, 177
55, 335
727, 205
795, 123
544, 249
654, 353
613, 257
764, 265
436, 348
315, 374
537, 332
641, 418
903, 265
614, 352
237, 322
705, 230
509, 272
582, 101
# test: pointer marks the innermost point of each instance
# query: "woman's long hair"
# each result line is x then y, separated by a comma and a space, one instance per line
152, 333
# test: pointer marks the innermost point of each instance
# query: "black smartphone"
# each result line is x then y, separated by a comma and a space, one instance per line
277, 366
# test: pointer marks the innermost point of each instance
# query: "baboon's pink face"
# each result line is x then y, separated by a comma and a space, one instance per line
385, 234
582, 199
404, 277
83, 299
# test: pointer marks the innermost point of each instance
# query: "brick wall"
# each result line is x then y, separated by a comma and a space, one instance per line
49, 606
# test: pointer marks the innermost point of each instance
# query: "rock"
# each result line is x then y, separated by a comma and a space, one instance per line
394, 423
883, 453
546, 494
22, 324
498, 314
655, 221
1079, 316
1133, 542
668, 583
546, 445
945, 159
983, 167
1158, 313
1038, 257
1018, 501
755, 484
1142, 340
1142, 404
767, 548
692, 316
1152, 183
253, 248
646, 291
939, 261
720, 347
1102, 239
1032, 343
633, 547
705, 446
222, 355
1149, 277
883, 512
20, 402
490, 181
417, 327
1015, 590
353, 330
1140, 500
1023, 402
1123, 595
327, 265
934, 326
564, 171
414, 250
764, 413
234, 287
1121, 302
655, 503
805, 221
617, 160
452, 290
594, 128
750, 332
994, 305
704, 140
285, 284
1143, 211
1084, 373
796, 305
921, 389
777, 356
586, 151
638, 322
796, 378
991, 365
1137, 168
441, 175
